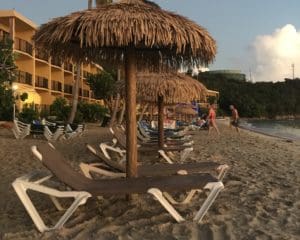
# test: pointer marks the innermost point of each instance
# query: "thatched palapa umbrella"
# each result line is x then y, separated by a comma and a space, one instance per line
121, 33
166, 89
186, 110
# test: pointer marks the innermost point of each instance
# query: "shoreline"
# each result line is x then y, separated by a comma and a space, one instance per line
258, 132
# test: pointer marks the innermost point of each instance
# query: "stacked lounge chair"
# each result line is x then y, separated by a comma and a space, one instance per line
20, 129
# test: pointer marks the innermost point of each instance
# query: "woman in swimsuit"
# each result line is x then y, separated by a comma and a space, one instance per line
212, 118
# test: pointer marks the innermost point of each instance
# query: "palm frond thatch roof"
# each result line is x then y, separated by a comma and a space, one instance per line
186, 110
174, 87
105, 32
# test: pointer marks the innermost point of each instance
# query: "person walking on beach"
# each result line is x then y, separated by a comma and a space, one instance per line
234, 118
212, 119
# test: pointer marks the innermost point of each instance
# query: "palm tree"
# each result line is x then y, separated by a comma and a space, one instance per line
90, 4
75, 94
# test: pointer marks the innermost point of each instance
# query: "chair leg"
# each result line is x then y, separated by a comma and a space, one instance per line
22, 184
187, 199
164, 155
222, 171
56, 203
215, 188
87, 168
159, 196
185, 153
33, 213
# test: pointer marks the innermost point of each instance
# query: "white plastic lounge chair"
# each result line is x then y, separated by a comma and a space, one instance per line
84, 188
53, 136
70, 133
52, 124
20, 129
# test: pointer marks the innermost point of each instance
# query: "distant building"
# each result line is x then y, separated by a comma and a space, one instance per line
41, 76
227, 74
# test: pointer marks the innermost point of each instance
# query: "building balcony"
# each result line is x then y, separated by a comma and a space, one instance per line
56, 62
68, 67
41, 82
86, 74
4, 36
92, 95
23, 46
56, 86
24, 77
41, 55
86, 93
68, 89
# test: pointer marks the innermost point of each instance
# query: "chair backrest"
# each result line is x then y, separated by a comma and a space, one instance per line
56, 163
102, 157
120, 136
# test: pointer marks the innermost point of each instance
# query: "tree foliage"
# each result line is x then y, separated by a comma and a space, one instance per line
86, 112
103, 84
7, 75
262, 99
60, 109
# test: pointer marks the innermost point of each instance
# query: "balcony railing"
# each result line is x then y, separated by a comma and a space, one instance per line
68, 67
41, 82
23, 46
86, 93
24, 77
4, 36
56, 86
86, 74
92, 94
55, 61
68, 88
41, 55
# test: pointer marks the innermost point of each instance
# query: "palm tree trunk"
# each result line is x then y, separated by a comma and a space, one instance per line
114, 114
121, 117
75, 95
143, 112
101, 2
90, 4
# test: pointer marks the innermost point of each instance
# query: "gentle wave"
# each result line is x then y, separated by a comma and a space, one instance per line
288, 129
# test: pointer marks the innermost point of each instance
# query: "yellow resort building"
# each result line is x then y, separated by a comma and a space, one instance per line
42, 77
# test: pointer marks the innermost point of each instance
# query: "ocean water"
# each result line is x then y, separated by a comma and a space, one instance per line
289, 129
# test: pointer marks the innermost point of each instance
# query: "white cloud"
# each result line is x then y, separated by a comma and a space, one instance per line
274, 55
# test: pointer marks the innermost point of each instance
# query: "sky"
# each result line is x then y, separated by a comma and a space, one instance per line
257, 36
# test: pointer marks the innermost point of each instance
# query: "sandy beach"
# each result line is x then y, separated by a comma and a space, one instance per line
261, 199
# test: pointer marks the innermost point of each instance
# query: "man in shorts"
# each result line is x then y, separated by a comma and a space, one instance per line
234, 118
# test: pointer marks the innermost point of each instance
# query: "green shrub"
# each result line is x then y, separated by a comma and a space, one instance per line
28, 114
6, 104
90, 112
60, 109
44, 113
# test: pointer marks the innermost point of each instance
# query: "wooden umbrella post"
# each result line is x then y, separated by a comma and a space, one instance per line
161, 121
131, 128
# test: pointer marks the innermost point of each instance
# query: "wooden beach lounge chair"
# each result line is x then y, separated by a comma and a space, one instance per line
84, 188
113, 168
20, 129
